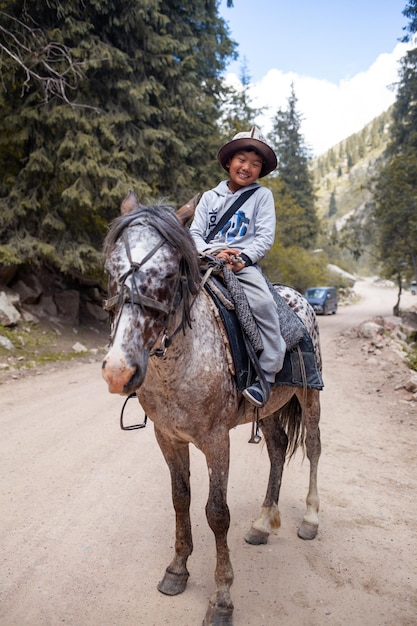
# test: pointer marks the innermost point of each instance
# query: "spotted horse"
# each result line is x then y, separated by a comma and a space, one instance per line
167, 347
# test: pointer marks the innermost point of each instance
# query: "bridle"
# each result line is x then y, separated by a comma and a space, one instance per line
133, 295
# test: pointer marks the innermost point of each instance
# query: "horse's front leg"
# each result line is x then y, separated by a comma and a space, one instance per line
310, 523
177, 456
220, 609
269, 518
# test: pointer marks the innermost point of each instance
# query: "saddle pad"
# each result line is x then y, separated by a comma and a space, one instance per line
245, 370
234, 333
291, 373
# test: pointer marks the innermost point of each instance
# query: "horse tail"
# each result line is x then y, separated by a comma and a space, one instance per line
291, 419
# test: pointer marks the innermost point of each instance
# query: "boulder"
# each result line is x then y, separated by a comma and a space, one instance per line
6, 343
96, 312
68, 303
370, 330
9, 315
79, 347
411, 384
7, 273
46, 307
29, 293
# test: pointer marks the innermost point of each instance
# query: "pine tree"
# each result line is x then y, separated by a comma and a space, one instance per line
143, 116
332, 204
394, 212
293, 166
238, 111
410, 11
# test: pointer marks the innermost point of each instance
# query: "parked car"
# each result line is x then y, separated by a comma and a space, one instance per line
413, 288
322, 299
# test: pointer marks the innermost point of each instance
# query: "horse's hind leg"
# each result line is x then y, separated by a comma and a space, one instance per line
177, 457
310, 523
276, 442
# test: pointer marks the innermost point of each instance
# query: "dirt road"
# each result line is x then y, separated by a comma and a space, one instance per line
87, 523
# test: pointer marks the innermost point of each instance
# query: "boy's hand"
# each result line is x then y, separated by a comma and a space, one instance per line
232, 258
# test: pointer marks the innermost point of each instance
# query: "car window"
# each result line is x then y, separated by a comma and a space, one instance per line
315, 293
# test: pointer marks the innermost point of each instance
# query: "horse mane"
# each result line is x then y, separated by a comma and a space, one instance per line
162, 217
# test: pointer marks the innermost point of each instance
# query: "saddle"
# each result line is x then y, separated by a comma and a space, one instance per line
300, 365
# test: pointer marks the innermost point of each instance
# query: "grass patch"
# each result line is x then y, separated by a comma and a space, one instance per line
412, 358
36, 344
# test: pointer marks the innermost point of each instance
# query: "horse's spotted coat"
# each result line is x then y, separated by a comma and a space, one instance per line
305, 312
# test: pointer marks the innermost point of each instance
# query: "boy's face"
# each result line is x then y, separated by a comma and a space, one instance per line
244, 169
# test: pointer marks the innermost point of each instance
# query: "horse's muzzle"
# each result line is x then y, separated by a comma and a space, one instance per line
121, 377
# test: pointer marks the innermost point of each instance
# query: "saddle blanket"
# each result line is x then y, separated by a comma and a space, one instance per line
292, 370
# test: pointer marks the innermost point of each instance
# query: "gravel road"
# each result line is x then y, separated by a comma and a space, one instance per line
87, 525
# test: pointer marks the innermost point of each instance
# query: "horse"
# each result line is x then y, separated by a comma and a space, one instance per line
167, 347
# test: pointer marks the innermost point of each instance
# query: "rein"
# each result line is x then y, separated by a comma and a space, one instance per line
133, 295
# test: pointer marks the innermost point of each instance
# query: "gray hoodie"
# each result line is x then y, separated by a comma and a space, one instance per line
251, 230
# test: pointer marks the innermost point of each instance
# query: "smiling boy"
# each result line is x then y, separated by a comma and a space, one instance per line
245, 238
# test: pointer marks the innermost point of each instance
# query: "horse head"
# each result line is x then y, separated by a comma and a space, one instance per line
152, 268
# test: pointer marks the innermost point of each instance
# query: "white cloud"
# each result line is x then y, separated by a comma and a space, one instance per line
331, 111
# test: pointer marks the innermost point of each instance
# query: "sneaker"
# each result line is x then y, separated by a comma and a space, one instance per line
254, 394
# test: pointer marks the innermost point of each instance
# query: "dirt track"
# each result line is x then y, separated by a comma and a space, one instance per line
87, 523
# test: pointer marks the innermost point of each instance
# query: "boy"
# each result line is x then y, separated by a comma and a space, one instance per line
245, 238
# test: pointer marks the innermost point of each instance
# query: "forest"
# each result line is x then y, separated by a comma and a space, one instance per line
101, 97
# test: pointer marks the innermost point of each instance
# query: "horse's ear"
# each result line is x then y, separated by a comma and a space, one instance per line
186, 213
130, 203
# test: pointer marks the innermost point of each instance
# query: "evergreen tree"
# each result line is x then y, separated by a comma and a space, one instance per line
394, 212
293, 165
332, 204
403, 130
142, 117
238, 111
410, 11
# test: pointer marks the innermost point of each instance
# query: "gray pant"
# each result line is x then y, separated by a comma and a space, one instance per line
264, 310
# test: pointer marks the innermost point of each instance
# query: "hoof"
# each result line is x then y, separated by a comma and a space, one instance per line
256, 537
308, 530
218, 616
173, 584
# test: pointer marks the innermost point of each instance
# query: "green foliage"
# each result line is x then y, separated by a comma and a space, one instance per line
238, 113
292, 227
395, 215
412, 358
293, 166
410, 11
332, 205
296, 267
394, 211
142, 116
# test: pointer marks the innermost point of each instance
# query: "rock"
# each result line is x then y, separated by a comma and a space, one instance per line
370, 330
28, 293
46, 307
7, 273
27, 316
411, 384
409, 318
79, 347
96, 311
9, 315
6, 343
68, 303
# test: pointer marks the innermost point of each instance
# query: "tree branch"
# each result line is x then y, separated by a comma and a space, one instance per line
49, 64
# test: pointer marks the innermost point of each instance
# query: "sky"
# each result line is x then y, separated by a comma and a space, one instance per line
341, 55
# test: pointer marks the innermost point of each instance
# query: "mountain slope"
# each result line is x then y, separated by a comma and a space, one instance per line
342, 174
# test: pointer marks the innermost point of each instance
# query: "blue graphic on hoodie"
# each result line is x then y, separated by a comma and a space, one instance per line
240, 228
